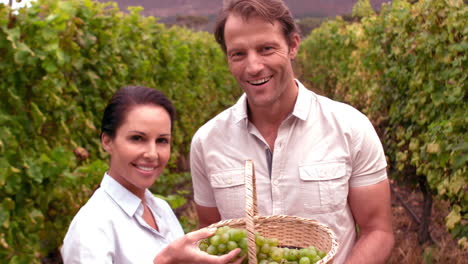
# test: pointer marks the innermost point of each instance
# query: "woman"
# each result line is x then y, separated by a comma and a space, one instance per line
123, 222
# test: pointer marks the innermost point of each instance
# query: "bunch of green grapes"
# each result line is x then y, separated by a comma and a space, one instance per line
268, 250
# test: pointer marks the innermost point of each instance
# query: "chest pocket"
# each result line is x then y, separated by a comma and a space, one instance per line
229, 191
324, 186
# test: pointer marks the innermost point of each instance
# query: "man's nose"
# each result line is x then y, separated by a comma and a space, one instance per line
254, 64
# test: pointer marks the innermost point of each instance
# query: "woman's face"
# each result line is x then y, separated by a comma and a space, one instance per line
141, 148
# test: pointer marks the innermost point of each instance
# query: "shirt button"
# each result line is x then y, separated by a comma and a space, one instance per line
275, 182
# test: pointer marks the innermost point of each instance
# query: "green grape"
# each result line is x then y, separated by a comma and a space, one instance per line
260, 240
305, 252
273, 242
224, 237
265, 249
231, 245
222, 248
304, 260
243, 243
321, 253
315, 259
262, 256
263, 261
222, 230
237, 234
215, 240
203, 246
212, 250
276, 253
292, 254
313, 249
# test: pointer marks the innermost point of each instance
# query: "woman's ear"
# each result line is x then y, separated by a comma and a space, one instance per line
106, 142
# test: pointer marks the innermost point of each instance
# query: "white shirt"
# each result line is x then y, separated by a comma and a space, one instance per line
110, 228
322, 149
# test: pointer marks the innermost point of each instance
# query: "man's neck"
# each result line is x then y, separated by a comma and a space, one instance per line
268, 119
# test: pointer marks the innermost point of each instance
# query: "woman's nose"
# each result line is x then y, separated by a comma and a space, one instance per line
151, 151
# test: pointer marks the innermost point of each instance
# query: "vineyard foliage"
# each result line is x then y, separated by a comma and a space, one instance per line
406, 68
60, 61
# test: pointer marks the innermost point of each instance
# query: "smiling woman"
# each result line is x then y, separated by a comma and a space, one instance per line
123, 222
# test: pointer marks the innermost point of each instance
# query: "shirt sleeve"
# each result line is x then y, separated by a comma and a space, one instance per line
85, 243
368, 158
203, 193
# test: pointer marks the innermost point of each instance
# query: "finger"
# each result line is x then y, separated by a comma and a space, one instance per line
200, 234
239, 261
230, 256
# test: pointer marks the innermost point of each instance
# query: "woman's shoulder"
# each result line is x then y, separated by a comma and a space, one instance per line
97, 212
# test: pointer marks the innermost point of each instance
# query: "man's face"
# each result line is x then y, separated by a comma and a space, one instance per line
260, 59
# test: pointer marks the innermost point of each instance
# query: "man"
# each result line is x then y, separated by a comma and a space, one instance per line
314, 157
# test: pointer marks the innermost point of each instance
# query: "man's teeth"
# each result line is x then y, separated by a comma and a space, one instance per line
145, 168
261, 81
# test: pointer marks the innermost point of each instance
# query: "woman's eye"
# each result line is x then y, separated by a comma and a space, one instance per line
136, 138
162, 140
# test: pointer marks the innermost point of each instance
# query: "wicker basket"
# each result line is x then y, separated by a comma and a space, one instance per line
290, 231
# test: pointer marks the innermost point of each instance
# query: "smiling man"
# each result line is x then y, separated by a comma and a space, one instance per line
314, 157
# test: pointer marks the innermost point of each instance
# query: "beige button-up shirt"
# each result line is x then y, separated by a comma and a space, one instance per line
322, 149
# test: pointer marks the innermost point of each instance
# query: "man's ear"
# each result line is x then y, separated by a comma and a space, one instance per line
294, 45
106, 142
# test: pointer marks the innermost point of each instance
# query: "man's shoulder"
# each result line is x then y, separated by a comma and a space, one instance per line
328, 105
335, 107
222, 122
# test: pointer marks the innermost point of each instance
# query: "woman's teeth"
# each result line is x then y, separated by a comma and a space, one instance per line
145, 168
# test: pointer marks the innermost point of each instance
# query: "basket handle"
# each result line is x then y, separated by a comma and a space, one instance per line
250, 209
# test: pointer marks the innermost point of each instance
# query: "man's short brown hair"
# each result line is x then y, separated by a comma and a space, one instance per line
270, 10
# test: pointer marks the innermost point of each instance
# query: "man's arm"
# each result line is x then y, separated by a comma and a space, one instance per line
207, 215
371, 209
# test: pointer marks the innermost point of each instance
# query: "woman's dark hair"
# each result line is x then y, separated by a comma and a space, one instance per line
125, 99
270, 10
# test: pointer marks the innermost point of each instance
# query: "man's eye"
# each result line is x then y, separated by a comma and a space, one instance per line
236, 54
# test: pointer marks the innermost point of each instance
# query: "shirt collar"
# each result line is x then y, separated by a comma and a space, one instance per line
303, 102
301, 107
240, 109
121, 196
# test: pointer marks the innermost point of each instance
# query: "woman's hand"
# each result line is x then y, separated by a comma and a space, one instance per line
185, 250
